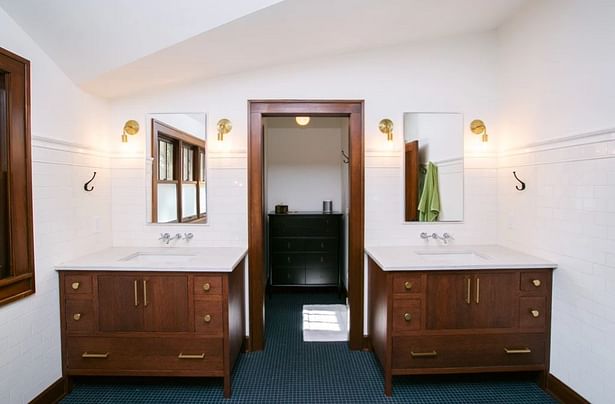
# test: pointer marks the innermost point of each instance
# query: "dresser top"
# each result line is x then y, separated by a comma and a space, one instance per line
305, 213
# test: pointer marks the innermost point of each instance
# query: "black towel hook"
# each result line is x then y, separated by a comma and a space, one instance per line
85, 186
522, 183
346, 158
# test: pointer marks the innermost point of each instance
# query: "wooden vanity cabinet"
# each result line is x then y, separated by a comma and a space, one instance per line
152, 323
433, 322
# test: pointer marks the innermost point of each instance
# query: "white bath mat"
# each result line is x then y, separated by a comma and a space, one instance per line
325, 322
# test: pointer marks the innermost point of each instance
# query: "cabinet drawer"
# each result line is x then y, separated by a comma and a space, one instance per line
468, 351
79, 316
207, 285
286, 244
535, 281
320, 260
407, 283
290, 259
208, 317
139, 354
303, 225
321, 276
406, 315
532, 312
288, 275
78, 285
321, 244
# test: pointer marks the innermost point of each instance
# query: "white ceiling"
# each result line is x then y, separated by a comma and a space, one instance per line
118, 47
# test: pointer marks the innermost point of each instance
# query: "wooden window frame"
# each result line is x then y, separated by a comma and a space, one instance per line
15, 73
161, 130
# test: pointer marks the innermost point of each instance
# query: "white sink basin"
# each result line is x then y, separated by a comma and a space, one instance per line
451, 257
158, 258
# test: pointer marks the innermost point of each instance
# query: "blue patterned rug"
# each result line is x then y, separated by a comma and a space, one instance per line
291, 371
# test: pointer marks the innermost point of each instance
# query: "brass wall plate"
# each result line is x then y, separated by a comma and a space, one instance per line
477, 127
131, 127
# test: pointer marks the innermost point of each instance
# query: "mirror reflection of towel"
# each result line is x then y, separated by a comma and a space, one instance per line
429, 203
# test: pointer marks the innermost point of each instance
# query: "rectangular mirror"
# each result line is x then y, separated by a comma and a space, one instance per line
177, 173
433, 167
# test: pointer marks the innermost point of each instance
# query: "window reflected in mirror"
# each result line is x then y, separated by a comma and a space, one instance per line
433, 167
179, 182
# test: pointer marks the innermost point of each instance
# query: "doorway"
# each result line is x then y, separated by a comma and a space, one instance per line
257, 111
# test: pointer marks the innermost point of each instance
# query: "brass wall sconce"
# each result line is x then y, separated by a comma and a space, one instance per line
478, 128
302, 120
130, 128
224, 127
386, 127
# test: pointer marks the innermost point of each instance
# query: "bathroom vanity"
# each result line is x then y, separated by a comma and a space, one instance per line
458, 310
153, 312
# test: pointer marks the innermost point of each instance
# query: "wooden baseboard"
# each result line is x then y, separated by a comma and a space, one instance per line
53, 393
366, 345
246, 344
563, 392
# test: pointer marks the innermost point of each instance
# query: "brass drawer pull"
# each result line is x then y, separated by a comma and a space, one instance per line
322, 245
187, 356
207, 318
407, 316
206, 286
95, 355
517, 351
77, 316
536, 282
468, 295
477, 290
535, 313
135, 290
145, 293
407, 285
423, 354
75, 285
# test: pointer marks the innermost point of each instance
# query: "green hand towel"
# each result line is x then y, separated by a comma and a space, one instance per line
429, 204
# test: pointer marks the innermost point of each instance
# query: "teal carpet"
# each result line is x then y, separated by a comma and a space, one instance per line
291, 371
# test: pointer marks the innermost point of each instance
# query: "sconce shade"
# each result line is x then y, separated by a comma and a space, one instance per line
478, 128
386, 126
131, 127
302, 120
224, 127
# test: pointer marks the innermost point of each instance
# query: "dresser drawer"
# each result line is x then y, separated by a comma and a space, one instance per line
290, 259
286, 244
79, 314
139, 354
208, 317
287, 275
320, 260
408, 283
205, 286
78, 284
535, 282
532, 312
317, 225
321, 276
321, 244
468, 351
406, 315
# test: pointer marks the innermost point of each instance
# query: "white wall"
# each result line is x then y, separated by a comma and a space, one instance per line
557, 63
304, 164
69, 130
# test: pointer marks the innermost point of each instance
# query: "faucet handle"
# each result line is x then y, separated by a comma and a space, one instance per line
448, 236
188, 236
425, 236
164, 236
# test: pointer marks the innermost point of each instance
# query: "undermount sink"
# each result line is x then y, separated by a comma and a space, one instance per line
159, 258
463, 257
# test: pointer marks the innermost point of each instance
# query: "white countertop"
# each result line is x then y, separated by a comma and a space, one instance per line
168, 259
453, 257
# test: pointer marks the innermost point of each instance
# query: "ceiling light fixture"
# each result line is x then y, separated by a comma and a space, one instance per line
302, 120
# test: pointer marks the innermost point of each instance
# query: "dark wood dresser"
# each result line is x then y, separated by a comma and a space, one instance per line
464, 321
305, 249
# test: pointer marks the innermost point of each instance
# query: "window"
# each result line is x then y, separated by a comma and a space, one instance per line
179, 189
16, 245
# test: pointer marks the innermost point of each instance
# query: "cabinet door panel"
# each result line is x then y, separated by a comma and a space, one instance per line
165, 300
120, 306
495, 300
449, 304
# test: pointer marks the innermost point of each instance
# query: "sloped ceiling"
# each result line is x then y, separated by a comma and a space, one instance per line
114, 48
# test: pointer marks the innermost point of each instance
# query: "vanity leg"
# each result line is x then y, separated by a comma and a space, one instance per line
227, 387
388, 384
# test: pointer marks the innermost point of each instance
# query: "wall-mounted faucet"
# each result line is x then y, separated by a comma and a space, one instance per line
165, 238
444, 237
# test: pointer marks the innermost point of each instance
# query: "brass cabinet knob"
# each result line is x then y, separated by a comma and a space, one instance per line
207, 318
407, 316
536, 282
535, 313
77, 316
408, 285
206, 286
75, 285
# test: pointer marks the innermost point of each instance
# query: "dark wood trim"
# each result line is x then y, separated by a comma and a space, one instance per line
562, 392
52, 394
257, 110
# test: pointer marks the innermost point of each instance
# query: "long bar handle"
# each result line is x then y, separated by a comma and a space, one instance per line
468, 295
517, 351
477, 290
187, 356
136, 296
95, 355
423, 354
145, 293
